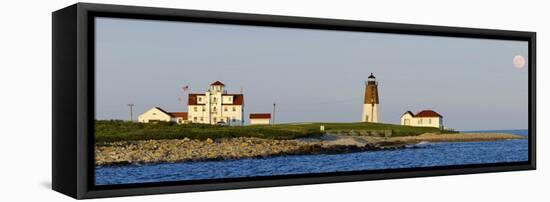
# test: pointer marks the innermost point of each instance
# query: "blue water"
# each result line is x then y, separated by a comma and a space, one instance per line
422, 155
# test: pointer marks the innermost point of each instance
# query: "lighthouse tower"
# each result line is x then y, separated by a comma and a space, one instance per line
370, 103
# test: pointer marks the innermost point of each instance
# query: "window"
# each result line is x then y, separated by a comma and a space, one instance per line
419, 121
233, 119
195, 109
200, 99
429, 121
214, 99
224, 109
202, 118
234, 109
195, 118
154, 113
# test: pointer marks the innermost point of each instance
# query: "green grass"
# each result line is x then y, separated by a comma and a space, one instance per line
396, 130
115, 130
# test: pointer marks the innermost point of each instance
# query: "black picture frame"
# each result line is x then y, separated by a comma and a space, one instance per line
73, 99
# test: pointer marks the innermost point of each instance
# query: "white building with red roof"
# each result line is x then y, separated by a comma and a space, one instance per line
424, 118
157, 114
216, 106
260, 118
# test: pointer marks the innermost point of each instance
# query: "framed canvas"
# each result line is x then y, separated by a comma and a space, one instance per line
156, 100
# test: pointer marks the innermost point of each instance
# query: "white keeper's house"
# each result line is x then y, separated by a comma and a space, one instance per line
424, 118
157, 114
216, 106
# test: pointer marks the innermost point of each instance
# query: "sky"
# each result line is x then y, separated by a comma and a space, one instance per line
312, 75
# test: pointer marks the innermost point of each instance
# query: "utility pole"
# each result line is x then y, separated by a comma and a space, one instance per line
273, 118
131, 112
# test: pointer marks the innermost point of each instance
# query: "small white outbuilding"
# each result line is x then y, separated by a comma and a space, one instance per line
260, 119
157, 114
424, 118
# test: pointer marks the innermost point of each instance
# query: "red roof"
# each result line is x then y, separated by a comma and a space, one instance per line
427, 113
238, 99
217, 83
179, 114
192, 100
260, 116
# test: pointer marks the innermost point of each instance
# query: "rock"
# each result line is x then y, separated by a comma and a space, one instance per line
155, 151
209, 141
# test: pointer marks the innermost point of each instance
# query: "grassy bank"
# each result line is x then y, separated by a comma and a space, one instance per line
362, 128
110, 131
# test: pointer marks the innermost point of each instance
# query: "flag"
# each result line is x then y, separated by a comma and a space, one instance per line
185, 88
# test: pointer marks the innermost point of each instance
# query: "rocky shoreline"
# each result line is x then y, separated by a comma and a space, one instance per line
186, 150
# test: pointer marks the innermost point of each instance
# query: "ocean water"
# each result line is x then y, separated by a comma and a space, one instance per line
424, 154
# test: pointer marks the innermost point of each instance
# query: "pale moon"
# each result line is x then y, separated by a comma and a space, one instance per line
519, 61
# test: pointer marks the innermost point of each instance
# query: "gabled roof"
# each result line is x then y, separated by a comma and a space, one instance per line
217, 83
162, 110
424, 113
260, 116
409, 112
173, 114
183, 115
428, 113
